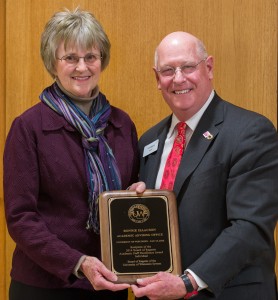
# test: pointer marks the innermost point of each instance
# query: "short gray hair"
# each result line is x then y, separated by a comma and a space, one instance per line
78, 28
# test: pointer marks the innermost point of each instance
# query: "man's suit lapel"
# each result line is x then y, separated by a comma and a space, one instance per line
199, 144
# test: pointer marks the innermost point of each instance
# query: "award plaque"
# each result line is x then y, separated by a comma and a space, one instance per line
139, 233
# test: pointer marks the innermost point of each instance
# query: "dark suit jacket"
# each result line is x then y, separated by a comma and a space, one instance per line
227, 194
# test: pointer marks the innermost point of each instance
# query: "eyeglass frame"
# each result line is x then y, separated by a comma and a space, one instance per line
97, 56
181, 69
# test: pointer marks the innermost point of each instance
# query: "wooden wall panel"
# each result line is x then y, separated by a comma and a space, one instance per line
241, 35
3, 278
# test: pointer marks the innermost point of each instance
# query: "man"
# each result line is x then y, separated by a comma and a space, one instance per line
226, 184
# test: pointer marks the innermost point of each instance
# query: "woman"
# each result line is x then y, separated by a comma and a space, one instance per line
59, 156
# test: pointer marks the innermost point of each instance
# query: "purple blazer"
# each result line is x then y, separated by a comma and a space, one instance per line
46, 195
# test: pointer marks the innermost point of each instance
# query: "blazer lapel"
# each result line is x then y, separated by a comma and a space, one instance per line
199, 144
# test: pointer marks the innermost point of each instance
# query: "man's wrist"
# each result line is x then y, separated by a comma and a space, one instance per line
192, 280
190, 285
199, 283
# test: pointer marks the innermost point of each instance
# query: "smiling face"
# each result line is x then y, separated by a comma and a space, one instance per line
184, 93
79, 79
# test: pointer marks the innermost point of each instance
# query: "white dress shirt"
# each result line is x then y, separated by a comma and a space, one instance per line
191, 125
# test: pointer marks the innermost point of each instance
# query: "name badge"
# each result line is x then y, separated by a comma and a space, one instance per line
152, 147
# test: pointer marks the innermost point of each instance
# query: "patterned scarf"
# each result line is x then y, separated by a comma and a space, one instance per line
102, 171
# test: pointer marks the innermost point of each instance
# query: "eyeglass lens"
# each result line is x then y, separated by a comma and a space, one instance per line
185, 69
73, 59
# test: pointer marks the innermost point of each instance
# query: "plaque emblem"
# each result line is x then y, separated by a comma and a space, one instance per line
138, 213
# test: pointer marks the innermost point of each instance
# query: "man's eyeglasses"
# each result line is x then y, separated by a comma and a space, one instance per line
73, 59
185, 69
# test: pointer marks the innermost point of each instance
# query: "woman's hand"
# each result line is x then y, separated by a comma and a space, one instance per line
99, 276
139, 187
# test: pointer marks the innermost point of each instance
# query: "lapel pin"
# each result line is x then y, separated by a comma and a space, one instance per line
208, 135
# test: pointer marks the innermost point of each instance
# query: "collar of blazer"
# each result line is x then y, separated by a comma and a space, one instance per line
200, 142
195, 150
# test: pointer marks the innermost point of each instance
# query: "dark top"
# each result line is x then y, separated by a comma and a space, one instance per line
227, 196
46, 194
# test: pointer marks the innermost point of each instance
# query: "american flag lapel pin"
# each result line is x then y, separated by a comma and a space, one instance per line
208, 135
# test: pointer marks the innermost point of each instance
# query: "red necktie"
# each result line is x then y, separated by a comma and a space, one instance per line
174, 158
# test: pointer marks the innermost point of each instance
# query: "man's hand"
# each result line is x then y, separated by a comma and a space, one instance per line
162, 286
99, 276
139, 187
